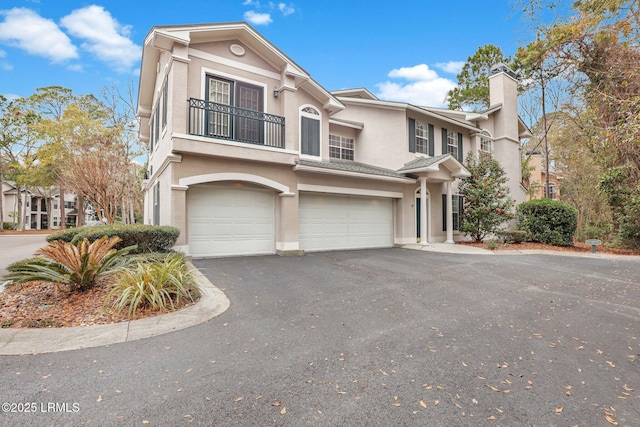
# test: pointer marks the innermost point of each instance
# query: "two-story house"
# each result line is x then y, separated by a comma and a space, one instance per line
249, 155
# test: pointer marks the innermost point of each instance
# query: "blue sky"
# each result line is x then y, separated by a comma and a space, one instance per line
405, 50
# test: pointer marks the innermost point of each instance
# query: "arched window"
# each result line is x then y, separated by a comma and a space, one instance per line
310, 131
486, 142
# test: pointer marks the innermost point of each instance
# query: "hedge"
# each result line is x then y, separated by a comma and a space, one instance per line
148, 238
548, 221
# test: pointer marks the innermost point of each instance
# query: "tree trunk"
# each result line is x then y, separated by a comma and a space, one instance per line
63, 214
80, 209
23, 211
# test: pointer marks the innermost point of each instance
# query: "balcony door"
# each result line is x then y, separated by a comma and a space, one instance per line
242, 123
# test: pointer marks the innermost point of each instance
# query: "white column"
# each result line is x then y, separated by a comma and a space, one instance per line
423, 212
449, 214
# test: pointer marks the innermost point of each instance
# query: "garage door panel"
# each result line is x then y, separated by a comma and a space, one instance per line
229, 221
344, 222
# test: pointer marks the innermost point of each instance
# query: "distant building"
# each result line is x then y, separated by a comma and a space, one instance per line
33, 203
537, 181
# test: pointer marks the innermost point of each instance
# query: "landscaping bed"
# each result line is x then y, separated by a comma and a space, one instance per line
43, 305
577, 247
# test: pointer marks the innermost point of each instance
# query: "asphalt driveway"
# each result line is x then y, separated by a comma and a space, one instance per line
378, 337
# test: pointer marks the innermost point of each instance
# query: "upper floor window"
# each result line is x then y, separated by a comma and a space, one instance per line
552, 191
485, 142
165, 102
452, 143
340, 147
420, 137
309, 131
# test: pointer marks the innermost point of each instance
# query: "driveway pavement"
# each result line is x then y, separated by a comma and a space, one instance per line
17, 247
377, 337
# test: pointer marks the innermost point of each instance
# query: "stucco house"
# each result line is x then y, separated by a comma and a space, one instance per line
537, 181
249, 155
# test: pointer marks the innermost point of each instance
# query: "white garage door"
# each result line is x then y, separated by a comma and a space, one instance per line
344, 222
230, 221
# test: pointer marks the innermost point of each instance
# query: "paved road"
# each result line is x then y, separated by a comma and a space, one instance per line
16, 247
378, 338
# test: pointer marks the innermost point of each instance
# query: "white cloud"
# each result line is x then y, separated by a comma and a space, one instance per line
286, 9
452, 67
256, 18
29, 31
424, 86
104, 36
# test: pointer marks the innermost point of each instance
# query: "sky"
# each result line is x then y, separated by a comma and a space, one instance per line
406, 51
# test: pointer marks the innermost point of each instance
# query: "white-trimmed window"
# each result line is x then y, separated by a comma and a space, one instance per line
552, 193
485, 142
341, 147
165, 102
452, 143
156, 204
310, 131
422, 137
457, 203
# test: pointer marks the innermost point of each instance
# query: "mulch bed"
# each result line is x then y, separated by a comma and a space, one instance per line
45, 305
577, 247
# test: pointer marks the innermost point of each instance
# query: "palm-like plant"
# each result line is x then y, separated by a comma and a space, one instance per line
155, 284
78, 266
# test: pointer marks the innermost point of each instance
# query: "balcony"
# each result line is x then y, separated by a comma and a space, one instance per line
221, 121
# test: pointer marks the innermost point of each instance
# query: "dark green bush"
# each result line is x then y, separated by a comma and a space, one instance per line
148, 238
8, 225
64, 235
548, 221
513, 236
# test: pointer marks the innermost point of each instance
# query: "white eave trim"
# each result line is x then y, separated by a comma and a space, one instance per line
346, 123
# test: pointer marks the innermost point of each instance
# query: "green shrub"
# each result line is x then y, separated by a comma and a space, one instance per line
64, 235
548, 221
78, 266
147, 238
8, 226
155, 284
513, 236
492, 244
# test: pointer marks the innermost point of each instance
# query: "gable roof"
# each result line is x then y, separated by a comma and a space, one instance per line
167, 37
433, 164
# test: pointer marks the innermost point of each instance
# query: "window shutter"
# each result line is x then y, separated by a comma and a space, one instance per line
460, 156
310, 138
444, 212
460, 211
412, 135
445, 149
431, 140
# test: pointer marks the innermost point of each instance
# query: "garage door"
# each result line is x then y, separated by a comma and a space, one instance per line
344, 222
229, 221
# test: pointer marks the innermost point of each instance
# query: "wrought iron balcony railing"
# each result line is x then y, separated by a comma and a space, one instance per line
213, 120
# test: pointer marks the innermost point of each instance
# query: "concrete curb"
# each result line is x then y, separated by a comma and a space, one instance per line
19, 341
